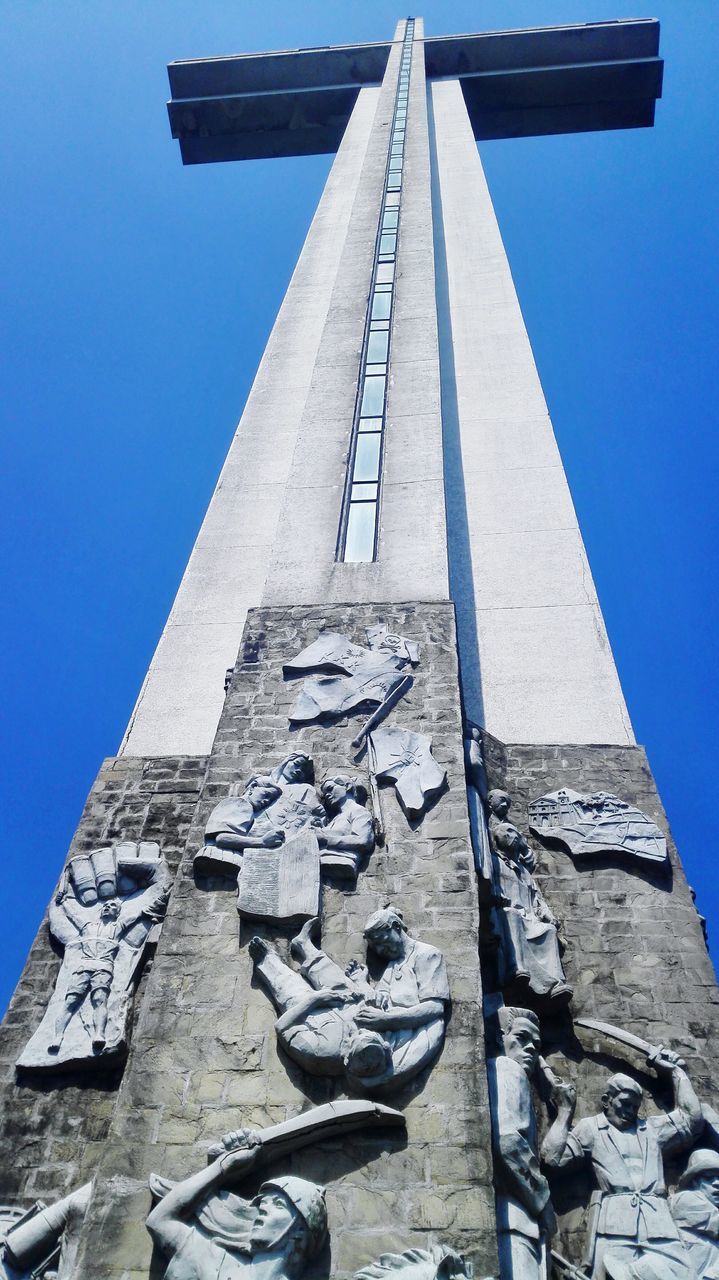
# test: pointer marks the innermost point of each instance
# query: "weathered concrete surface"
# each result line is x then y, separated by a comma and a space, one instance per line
181, 699
635, 953
412, 554
204, 1058
53, 1128
536, 662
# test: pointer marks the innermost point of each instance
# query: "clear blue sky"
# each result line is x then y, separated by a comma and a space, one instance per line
138, 297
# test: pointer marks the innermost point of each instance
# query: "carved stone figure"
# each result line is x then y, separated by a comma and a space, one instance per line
359, 676
103, 915
273, 809
525, 1217
44, 1240
695, 1210
347, 836
334, 1022
595, 824
437, 1263
632, 1232
528, 953
476, 779
406, 759
208, 1232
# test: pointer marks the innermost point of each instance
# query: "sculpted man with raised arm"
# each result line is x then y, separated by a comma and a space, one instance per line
208, 1233
632, 1233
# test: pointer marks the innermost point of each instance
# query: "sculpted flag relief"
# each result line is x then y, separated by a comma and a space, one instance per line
359, 676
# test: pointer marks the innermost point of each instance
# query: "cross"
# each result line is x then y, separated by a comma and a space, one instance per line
603, 75
396, 444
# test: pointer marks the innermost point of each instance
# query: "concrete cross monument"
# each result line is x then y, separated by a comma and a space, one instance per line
390, 559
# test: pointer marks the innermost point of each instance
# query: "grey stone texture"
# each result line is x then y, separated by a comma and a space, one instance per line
53, 1129
635, 955
204, 1058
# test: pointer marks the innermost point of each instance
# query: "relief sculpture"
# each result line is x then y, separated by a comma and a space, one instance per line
336, 1022
207, 1231
601, 823
43, 1242
278, 833
528, 953
352, 675
631, 1229
103, 915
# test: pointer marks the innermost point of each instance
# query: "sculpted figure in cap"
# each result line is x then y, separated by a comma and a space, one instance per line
632, 1234
525, 1217
695, 1209
210, 1236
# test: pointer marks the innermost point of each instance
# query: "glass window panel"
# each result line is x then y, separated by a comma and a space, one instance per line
372, 397
367, 457
381, 306
392, 200
394, 183
383, 287
375, 368
377, 325
395, 164
389, 219
370, 424
388, 242
385, 273
364, 493
359, 539
386, 257
377, 346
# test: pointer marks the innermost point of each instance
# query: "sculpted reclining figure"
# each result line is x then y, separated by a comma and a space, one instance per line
334, 1022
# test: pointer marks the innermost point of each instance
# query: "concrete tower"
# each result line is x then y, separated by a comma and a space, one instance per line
386, 633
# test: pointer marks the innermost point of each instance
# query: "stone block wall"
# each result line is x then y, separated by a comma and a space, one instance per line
204, 1058
635, 951
52, 1128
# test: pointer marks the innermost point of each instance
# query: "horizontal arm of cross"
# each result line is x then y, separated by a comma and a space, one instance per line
515, 83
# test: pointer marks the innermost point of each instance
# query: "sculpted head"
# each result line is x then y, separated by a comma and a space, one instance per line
110, 910
499, 803
291, 1219
338, 788
261, 791
702, 1175
621, 1101
385, 932
368, 1055
296, 768
521, 1037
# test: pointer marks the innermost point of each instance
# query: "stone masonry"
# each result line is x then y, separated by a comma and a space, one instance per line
635, 952
204, 1058
53, 1129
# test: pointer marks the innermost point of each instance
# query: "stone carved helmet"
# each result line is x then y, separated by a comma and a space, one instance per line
309, 1201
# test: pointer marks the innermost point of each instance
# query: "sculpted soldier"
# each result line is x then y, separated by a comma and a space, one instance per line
632, 1232
525, 1217
529, 948
209, 1233
695, 1210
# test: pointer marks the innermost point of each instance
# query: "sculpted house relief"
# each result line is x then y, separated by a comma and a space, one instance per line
207, 1231
103, 916
336, 1022
601, 823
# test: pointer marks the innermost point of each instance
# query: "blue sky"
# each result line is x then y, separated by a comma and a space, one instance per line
139, 295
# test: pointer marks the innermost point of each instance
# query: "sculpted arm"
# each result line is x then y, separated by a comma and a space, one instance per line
688, 1110
298, 1012
65, 924
560, 1150
167, 1221
398, 1018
